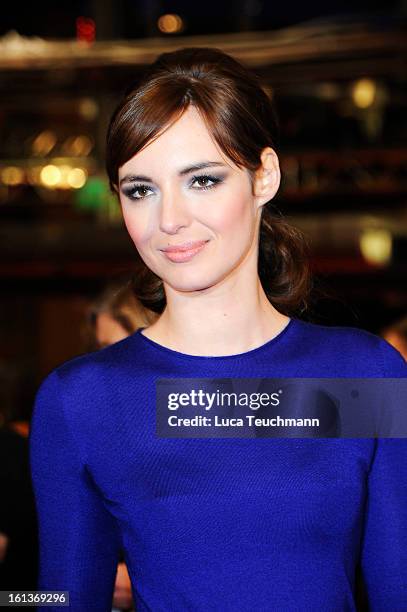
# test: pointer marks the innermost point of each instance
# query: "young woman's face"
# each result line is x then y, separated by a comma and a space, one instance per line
188, 209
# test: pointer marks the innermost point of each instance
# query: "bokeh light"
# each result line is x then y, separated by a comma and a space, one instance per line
77, 178
50, 176
12, 176
364, 93
44, 143
376, 246
88, 108
170, 23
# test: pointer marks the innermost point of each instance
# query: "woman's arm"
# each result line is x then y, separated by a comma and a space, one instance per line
79, 539
384, 546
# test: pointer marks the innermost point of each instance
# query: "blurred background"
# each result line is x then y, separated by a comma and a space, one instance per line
337, 74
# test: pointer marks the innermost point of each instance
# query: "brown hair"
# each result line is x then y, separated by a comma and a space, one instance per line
240, 117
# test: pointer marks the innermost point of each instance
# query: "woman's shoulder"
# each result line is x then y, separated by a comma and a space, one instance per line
342, 333
82, 391
353, 349
92, 368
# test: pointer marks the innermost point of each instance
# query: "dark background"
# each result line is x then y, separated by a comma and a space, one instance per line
135, 18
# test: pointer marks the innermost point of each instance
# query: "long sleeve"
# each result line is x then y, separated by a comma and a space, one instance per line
79, 538
384, 548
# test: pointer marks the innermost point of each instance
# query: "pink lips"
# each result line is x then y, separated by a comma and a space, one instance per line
185, 251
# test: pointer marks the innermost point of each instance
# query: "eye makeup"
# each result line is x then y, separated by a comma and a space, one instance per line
215, 180
139, 191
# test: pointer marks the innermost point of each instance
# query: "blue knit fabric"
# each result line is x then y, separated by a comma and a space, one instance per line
228, 525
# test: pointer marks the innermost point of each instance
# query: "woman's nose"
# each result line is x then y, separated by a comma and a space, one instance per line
173, 213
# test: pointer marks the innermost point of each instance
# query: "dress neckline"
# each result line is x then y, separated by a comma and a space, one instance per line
289, 327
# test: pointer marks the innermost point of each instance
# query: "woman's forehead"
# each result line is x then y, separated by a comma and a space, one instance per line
186, 141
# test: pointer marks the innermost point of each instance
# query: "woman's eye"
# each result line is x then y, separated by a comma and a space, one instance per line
205, 182
137, 192
140, 192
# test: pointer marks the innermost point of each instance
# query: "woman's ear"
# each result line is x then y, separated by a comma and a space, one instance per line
267, 177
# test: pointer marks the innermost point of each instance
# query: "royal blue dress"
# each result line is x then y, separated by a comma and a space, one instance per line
228, 525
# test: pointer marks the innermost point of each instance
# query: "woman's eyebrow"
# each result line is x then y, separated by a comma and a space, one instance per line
128, 178
200, 166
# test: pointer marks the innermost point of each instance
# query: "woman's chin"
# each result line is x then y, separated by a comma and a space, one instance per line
189, 283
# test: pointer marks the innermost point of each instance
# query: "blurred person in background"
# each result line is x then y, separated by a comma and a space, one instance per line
112, 316
115, 314
396, 335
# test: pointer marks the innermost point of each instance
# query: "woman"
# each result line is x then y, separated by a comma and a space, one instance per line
212, 524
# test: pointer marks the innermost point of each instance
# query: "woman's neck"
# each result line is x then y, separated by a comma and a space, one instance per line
217, 323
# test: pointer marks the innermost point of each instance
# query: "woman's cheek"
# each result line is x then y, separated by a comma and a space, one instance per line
221, 211
237, 215
137, 227
141, 234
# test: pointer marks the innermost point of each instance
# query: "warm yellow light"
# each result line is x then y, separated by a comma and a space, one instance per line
82, 145
50, 176
88, 108
77, 178
77, 146
63, 182
170, 23
44, 143
376, 246
364, 93
34, 175
11, 176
